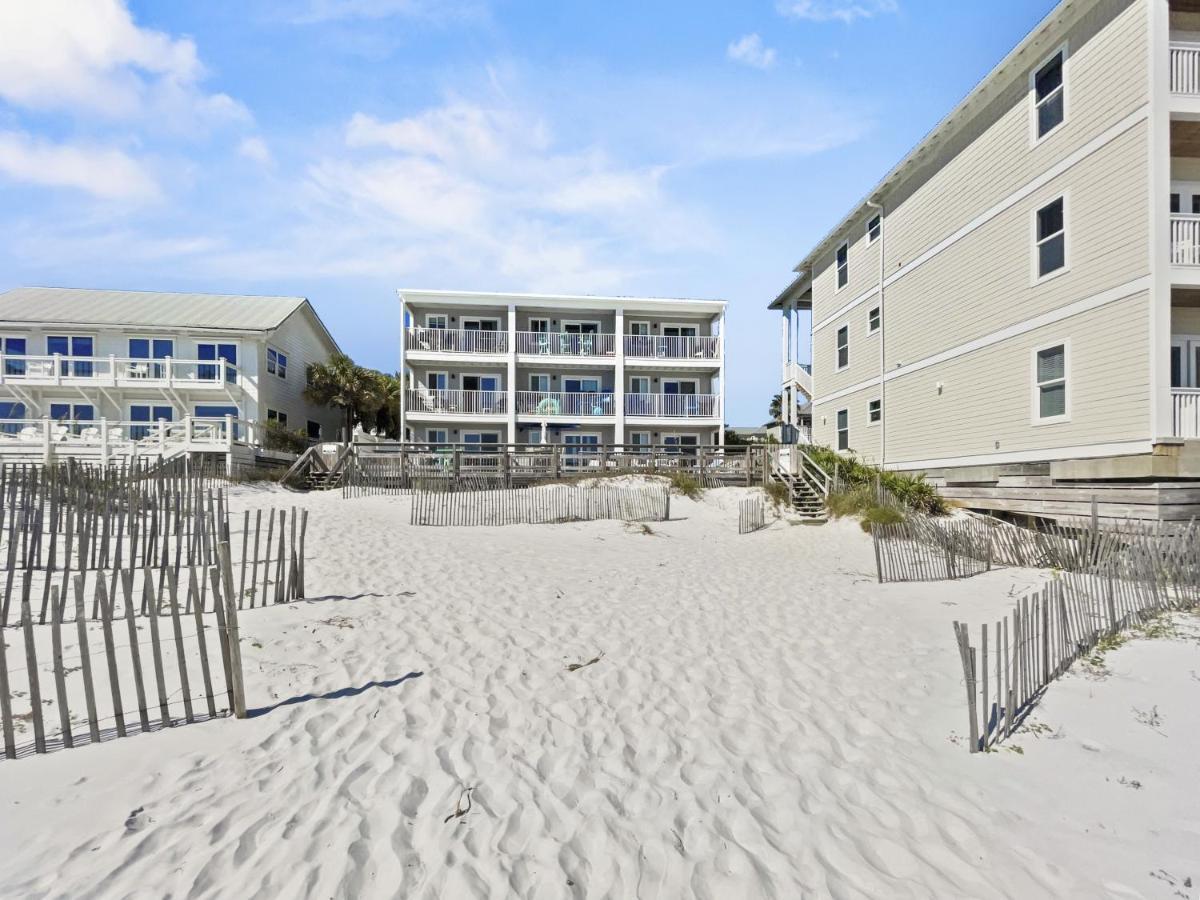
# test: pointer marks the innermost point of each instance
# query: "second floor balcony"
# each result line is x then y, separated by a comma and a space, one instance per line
456, 340
116, 371
456, 402
585, 345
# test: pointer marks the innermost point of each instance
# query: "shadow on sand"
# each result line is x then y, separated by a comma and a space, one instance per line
332, 695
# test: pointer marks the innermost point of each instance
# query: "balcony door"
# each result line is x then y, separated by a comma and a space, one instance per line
149, 349
480, 383
13, 347
80, 347
147, 413
1185, 361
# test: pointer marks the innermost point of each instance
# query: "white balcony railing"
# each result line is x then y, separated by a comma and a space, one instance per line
474, 403
116, 371
541, 343
561, 403
106, 438
648, 346
673, 406
1185, 405
1185, 240
1185, 68
449, 340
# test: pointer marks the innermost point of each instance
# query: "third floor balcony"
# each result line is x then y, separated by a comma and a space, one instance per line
563, 344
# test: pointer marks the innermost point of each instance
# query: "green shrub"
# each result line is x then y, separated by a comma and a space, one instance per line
277, 437
912, 490
687, 485
853, 502
779, 494
881, 515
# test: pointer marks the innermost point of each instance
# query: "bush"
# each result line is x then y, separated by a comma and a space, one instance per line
687, 485
912, 490
881, 515
779, 494
277, 437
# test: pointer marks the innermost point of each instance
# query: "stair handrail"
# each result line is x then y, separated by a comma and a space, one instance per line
338, 468
304, 463
815, 476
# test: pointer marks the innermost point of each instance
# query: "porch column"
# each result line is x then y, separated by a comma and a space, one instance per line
511, 386
403, 374
619, 377
721, 375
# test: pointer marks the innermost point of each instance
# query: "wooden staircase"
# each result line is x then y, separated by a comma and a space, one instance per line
807, 483
311, 472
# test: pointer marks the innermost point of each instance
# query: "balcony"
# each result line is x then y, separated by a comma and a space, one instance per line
454, 402
113, 371
645, 346
1185, 240
104, 439
450, 340
1185, 409
673, 406
541, 343
551, 404
1185, 68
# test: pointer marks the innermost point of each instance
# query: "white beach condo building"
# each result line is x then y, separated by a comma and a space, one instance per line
100, 374
580, 371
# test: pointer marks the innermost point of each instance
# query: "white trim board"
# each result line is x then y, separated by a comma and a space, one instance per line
1065, 164
1052, 454
1112, 295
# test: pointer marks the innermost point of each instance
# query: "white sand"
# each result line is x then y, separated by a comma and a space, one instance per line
765, 721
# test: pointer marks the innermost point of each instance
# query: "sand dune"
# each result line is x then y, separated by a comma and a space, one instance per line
763, 720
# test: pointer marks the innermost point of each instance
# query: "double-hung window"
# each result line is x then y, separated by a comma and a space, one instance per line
1050, 384
843, 347
276, 363
1049, 94
874, 229
874, 319
843, 266
274, 415
843, 429
13, 347
875, 412
1050, 236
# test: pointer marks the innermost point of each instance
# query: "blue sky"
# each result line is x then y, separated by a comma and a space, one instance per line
339, 149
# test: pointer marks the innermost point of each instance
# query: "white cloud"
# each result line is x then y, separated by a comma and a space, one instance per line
848, 11
102, 172
91, 57
256, 148
316, 11
749, 50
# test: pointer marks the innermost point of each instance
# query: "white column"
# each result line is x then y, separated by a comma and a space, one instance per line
403, 374
721, 374
619, 377
1159, 187
512, 373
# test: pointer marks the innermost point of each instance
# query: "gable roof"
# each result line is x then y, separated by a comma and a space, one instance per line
76, 306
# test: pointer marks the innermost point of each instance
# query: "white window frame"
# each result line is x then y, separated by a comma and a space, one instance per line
542, 319
838, 367
581, 322
680, 326
276, 415
878, 325
445, 432
1034, 139
275, 369
870, 412
445, 317
837, 269
645, 378
677, 382
582, 377
635, 323
462, 376
1038, 278
481, 434
445, 375
546, 375
648, 435
479, 320
1036, 386
837, 430
877, 219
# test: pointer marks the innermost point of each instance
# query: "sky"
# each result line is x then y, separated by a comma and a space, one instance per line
341, 149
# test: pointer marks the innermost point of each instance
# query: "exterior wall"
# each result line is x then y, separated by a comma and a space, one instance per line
1185, 320
961, 305
300, 339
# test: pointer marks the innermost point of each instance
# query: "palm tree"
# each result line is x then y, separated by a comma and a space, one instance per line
776, 409
341, 383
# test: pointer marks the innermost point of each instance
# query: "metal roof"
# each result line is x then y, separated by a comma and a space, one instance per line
74, 306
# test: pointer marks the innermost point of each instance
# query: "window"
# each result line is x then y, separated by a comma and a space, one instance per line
843, 347
481, 324
843, 429
276, 363
227, 352
843, 266
147, 413
436, 435
1049, 95
874, 319
481, 437
1175, 207
436, 320
437, 381
313, 430
581, 327
539, 326
641, 329
150, 349
1196, 204
220, 412
72, 346
539, 383
273, 415
13, 346
875, 412
1050, 384
639, 438
1051, 236
639, 385
874, 228
73, 412
11, 415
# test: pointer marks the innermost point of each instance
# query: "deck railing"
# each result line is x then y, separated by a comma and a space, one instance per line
1185, 240
473, 403
1186, 412
116, 371
542, 343
650, 346
1185, 68
450, 340
672, 406
559, 403
107, 437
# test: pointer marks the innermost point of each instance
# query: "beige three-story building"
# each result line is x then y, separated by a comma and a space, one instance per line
1015, 308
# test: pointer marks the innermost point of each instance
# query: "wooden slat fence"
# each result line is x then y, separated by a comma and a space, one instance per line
542, 505
923, 549
151, 660
1135, 576
752, 515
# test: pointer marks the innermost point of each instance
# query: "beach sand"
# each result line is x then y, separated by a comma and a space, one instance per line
761, 720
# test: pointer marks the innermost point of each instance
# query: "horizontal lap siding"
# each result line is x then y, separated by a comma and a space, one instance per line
864, 352
865, 439
984, 282
864, 274
986, 396
298, 339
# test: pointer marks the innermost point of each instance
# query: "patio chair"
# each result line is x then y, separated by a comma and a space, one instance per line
90, 434
29, 433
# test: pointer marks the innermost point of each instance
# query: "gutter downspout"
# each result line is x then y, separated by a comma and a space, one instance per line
882, 339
